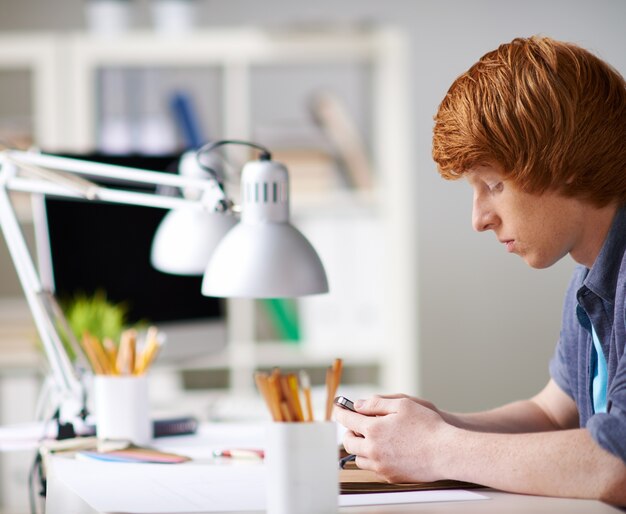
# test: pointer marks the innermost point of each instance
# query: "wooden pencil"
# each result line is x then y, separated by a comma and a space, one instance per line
305, 383
87, 347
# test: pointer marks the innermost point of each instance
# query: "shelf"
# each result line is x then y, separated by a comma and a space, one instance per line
339, 202
375, 229
223, 47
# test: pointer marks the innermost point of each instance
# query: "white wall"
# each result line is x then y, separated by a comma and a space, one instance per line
488, 323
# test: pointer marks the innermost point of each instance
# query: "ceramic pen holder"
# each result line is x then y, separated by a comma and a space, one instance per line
302, 468
122, 408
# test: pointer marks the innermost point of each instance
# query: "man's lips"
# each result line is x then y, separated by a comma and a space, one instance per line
509, 244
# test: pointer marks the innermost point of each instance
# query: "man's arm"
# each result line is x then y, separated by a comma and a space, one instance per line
527, 447
551, 409
566, 463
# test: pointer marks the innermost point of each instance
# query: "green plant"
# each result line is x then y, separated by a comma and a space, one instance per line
94, 314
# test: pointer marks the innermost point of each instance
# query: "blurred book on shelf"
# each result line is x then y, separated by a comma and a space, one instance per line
310, 171
186, 119
313, 168
333, 118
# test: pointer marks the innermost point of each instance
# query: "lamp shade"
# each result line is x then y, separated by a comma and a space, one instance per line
186, 238
265, 261
264, 256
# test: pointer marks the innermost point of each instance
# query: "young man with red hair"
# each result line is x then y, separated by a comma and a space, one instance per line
538, 129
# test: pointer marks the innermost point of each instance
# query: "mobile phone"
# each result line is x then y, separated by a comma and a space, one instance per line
342, 401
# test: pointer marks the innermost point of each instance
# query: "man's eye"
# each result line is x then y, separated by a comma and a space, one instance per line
496, 188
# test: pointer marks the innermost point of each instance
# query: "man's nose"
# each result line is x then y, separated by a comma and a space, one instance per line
483, 217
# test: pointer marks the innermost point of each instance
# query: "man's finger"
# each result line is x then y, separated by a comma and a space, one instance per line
354, 443
364, 463
377, 406
351, 420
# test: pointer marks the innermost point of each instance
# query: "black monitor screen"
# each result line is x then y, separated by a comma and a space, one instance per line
104, 246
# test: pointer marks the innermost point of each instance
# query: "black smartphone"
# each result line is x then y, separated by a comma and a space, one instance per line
342, 401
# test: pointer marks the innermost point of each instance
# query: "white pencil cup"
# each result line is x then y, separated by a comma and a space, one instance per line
302, 461
122, 408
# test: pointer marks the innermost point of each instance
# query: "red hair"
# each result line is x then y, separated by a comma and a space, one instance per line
550, 114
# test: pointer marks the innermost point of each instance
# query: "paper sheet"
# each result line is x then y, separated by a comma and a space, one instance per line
159, 489
443, 495
24, 436
197, 487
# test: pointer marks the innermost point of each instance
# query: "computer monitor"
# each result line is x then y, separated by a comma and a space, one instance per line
103, 246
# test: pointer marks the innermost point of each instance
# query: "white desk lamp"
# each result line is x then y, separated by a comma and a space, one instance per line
262, 257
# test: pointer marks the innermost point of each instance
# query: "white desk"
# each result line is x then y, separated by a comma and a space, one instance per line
63, 499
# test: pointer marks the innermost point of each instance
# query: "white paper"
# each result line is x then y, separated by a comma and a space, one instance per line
193, 487
164, 488
397, 497
24, 436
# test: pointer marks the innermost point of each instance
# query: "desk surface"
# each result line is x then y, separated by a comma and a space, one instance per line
63, 497
62, 500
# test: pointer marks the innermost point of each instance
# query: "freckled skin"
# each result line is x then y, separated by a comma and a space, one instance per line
543, 228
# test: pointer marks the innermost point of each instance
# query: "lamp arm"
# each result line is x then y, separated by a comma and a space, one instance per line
96, 169
58, 184
64, 373
53, 176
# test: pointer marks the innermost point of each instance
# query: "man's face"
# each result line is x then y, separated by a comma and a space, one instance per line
541, 229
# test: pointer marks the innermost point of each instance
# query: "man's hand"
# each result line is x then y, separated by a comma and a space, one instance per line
397, 437
530, 447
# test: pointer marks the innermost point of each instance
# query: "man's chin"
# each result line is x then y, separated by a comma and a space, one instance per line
538, 262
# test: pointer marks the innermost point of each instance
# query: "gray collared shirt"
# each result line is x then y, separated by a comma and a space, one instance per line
600, 292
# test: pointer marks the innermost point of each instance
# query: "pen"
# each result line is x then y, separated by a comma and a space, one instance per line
240, 453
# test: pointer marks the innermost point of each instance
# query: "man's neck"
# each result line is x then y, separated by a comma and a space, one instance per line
595, 230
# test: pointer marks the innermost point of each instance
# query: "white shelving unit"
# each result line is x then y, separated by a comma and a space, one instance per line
41, 55
68, 89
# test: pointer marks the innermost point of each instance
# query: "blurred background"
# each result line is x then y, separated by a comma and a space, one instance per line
419, 302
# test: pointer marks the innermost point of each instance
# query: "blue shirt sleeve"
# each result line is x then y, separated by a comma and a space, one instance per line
558, 369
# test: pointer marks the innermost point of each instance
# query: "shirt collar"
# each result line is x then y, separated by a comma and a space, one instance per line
602, 277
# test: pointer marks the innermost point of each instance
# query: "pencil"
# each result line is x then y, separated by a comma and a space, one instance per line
292, 382
101, 356
111, 352
146, 357
337, 371
286, 413
87, 347
329, 393
275, 394
126, 352
262, 384
305, 382
288, 397
333, 378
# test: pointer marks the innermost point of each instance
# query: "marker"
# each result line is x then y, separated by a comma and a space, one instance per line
240, 453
